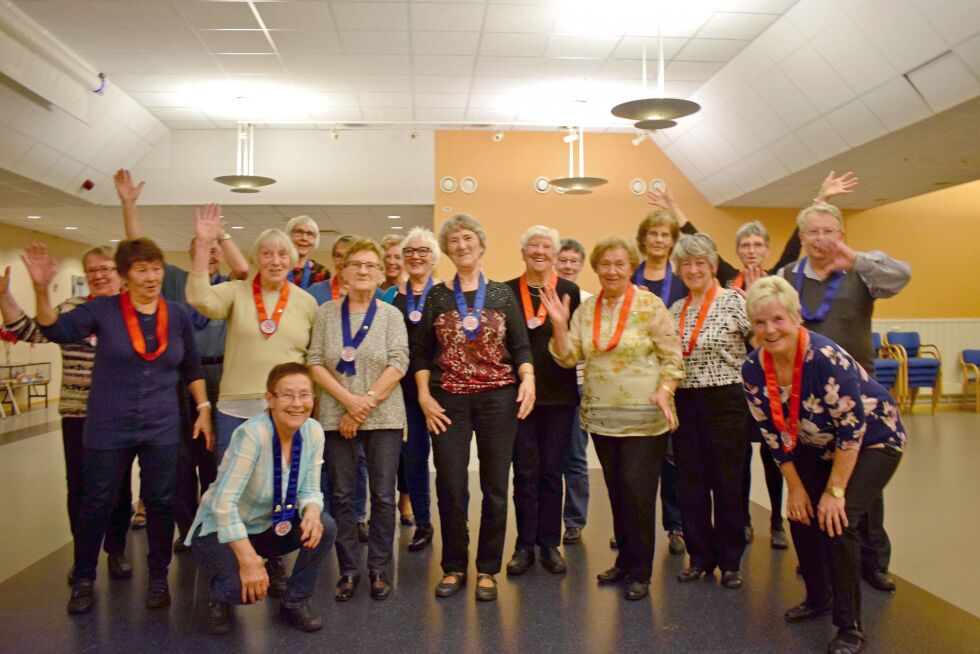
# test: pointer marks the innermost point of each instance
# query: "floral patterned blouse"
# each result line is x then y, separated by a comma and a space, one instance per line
841, 406
618, 384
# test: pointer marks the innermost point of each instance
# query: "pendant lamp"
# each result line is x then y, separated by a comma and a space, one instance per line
245, 181
577, 184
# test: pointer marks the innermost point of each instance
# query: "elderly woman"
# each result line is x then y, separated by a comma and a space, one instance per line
333, 288
838, 439
76, 381
710, 443
543, 437
305, 235
266, 503
474, 371
358, 353
420, 253
394, 267
144, 345
632, 366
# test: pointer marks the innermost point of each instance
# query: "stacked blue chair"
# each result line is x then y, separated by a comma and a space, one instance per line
970, 363
888, 366
923, 365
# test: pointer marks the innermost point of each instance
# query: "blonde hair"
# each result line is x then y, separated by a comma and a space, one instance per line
655, 219
773, 287
389, 240
278, 237
363, 244
612, 243
458, 222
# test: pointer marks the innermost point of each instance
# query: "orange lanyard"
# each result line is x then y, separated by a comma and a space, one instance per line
269, 326
136, 334
737, 282
791, 428
702, 316
534, 320
335, 293
624, 313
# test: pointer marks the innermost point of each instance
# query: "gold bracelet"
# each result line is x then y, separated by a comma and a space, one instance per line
667, 388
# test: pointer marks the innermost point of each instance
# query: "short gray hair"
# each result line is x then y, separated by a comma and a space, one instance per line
273, 236
304, 221
541, 230
689, 246
753, 228
427, 237
458, 222
772, 287
102, 251
819, 207
573, 245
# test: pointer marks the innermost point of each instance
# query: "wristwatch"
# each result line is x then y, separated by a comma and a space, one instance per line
834, 491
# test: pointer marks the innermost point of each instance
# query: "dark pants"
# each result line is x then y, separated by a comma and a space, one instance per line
671, 517
576, 472
218, 560
539, 451
831, 567
709, 447
631, 467
361, 488
415, 461
104, 472
493, 416
72, 430
196, 467
876, 548
774, 478
381, 448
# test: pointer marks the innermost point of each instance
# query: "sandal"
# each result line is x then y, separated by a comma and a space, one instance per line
447, 588
138, 521
486, 593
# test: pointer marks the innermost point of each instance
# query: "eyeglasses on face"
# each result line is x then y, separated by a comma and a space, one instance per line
824, 233
290, 398
422, 252
569, 262
105, 271
362, 265
304, 233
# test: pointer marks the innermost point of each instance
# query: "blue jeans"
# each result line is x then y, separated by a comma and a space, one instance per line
415, 459
218, 560
576, 473
226, 426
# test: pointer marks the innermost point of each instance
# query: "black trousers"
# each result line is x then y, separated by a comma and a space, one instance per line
196, 466
831, 567
876, 548
709, 449
631, 469
539, 452
492, 415
774, 478
72, 431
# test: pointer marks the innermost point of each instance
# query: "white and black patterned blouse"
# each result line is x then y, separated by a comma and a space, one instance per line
717, 358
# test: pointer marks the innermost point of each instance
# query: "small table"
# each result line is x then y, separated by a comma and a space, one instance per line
35, 376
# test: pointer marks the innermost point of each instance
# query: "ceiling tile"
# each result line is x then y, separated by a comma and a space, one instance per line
491, 101
821, 139
445, 43
896, 103
389, 113
374, 42
383, 83
681, 160
691, 71
735, 25
519, 19
631, 47
37, 161
97, 40
710, 50
306, 41
898, 30
955, 20
861, 64
945, 82
442, 83
759, 117
822, 86
792, 153
490, 115
386, 99
447, 65
513, 45
250, 64
573, 45
969, 52
813, 16
436, 17
439, 114
314, 15
698, 154
183, 64
217, 15
767, 165
235, 41
371, 15
568, 67
781, 39
856, 124
785, 98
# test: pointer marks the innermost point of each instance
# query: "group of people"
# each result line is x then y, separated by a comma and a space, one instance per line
313, 392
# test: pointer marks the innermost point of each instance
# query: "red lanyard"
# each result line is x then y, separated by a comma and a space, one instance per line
737, 282
335, 293
269, 326
791, 428
533, 319
624, 313
136, 334
702, 316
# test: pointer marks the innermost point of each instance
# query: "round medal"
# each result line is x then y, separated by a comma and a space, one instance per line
415, 316
283, 527
268, 326
348, 354
533, 323
471, 322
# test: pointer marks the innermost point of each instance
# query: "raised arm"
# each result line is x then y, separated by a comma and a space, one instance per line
832, 186
42, 269
8, 305
128, 196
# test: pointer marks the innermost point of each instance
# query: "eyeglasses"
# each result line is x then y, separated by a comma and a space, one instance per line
303, 232
362, 265
422, 252
105, 271
289, 398
815, 233
569, 262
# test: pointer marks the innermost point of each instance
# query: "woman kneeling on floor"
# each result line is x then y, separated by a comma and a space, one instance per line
265, 503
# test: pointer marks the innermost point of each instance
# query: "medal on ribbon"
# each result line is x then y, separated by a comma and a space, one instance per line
639, 280
413, 310
828, 298
284, 509
136, 333
268, 325
470, 317
791, 427
349, 352
534, 319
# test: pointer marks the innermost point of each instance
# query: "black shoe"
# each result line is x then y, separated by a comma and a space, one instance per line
407, 520
805, 611
675, 543
779, 540
380, 588
301, 616
180, 546
553, 561
486, 593
731, 579
881, 580
345, 587
572, 535
611, 576
219, 617
277, 577
421, 538
157, 594
637, 590
749, 534
363, 532
521, 562
613, 544
692, 573
846, 642
119, 567
450, 588
82, 600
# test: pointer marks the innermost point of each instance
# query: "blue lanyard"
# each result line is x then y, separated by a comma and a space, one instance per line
346, 364
285, 513
470, 320
415, 314
828, 298
305, 282
639, 280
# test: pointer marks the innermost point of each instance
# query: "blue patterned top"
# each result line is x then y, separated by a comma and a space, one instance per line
831, 417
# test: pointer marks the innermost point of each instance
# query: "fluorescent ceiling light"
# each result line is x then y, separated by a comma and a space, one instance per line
237, 227
394, 217
71, 228
252, 102
397, 227
34, 217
